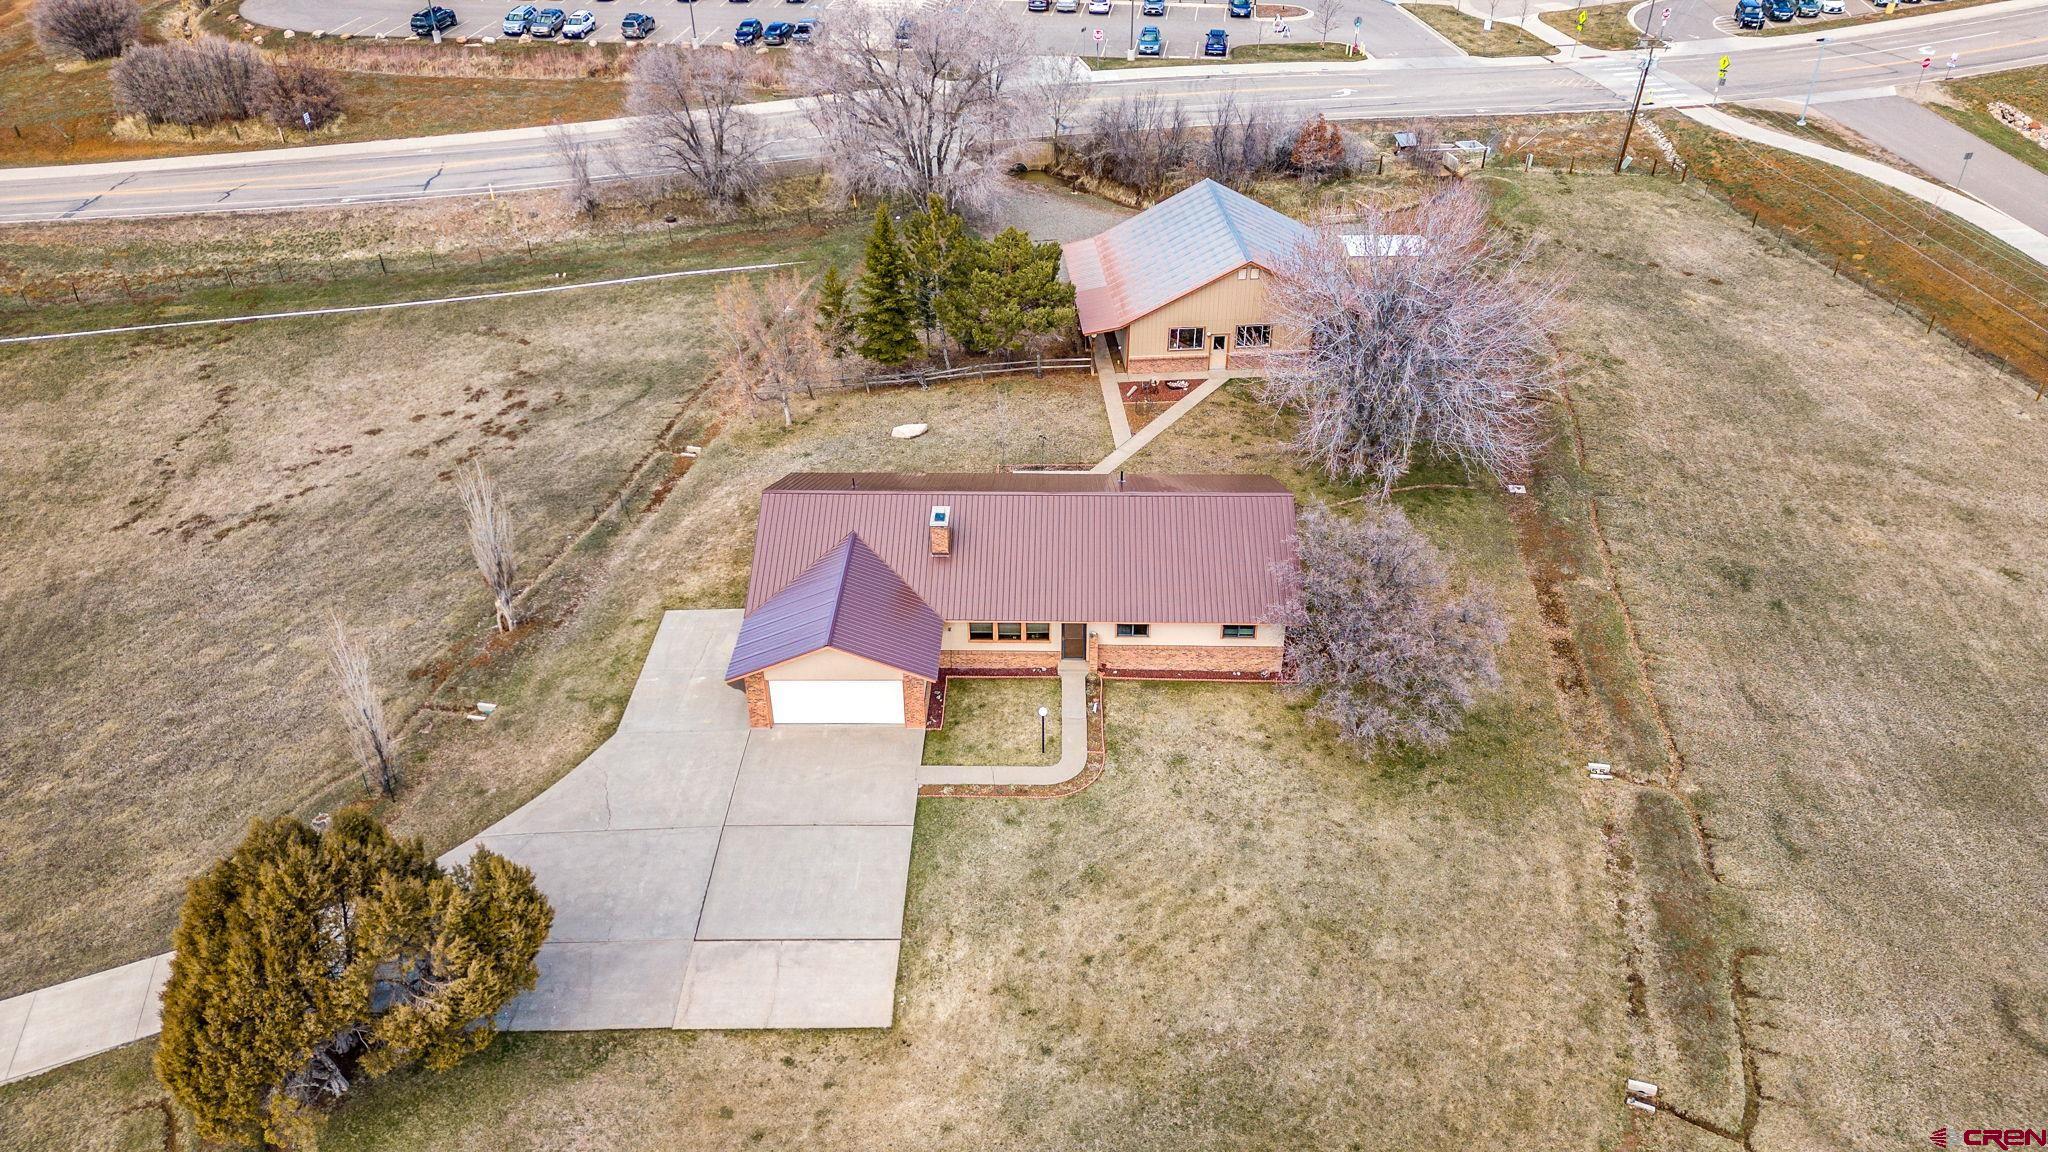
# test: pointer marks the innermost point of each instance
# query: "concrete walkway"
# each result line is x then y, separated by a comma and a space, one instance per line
703, 874
2031, 242
1073, 744
1923, 137
1160, 423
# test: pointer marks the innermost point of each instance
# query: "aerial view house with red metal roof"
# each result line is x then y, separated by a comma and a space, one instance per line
1180, 288
867, 588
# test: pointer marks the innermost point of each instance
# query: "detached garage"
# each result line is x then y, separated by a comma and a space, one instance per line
846, 642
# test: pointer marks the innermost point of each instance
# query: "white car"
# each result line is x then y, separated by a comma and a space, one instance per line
1833, 7
582, 22
1098, 7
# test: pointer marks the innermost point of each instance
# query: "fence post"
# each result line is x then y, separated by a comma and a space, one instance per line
1653, 167
380, 265
1572, 166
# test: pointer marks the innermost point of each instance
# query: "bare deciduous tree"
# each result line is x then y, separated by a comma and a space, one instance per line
1141, 142
572, 153
210, 80
1243, 142
770, 348
687, 113
490, 539
87, 29
1059, 95
1436, 332
1328, 17
1391, 651
295, 95
362, 711
932, 105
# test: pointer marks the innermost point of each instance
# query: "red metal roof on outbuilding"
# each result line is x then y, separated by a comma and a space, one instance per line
1154, 549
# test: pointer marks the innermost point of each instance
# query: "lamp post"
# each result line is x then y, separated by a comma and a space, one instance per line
1041, 729
693, 22
1818, 56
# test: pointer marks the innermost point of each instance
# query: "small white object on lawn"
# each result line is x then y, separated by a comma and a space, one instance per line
1642, 1088
1600, 771
486, 707
1517, 490
1641, 1106
909, 431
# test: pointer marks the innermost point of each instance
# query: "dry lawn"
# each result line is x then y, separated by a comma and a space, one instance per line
995, 721
1827, 526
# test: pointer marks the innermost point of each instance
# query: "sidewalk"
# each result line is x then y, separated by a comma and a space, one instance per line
1073, 744
2030, 241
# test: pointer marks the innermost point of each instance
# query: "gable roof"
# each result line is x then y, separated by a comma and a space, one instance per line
846, 599
1171, 249
1045, 548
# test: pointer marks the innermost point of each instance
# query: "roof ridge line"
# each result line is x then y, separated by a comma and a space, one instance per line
1229, 221
851, 541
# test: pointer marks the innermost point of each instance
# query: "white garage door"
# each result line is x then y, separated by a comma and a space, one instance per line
836, 701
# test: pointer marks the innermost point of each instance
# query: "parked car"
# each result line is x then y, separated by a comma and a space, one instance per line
546, 22
1241, 9
1098, 7
1217, 43
749, 32
1833, 7
1806, 8
778, 32
1781, 11
1038, 5
428, 21
1150, 43
515, 20
805, 29
582, 22
1153, 8
1067, 6
905, 29
1749, 13
636, 26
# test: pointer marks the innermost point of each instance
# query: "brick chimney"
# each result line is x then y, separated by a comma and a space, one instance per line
942, 530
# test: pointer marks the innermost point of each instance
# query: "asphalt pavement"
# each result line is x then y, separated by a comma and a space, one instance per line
1383, 29
1923, 138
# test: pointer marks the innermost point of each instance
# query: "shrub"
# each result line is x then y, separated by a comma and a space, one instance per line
308, 962
293, 95
208, 81
88, 29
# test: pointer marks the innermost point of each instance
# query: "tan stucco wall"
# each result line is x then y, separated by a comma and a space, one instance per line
831, 664
1204, 635
955, 638
1219, 306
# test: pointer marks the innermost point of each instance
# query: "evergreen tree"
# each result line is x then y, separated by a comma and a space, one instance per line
887, 324
835, 312
307, 962
1012, 290
937, 251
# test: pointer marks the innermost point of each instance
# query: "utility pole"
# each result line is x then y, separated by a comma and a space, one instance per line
1642, 82
1822, 41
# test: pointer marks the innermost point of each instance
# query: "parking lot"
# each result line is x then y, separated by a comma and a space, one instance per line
1384, 29
1715, 19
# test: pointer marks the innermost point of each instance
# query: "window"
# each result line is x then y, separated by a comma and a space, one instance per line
981, 631
1009, 631
1254, 335
1184, 339
1134, 629
1006, 631
1240, 631
1255, 273
1038, 631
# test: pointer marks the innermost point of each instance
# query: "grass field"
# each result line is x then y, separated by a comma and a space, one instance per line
1471, 35
995, 721
2026, 89
1606, 27
1781, 566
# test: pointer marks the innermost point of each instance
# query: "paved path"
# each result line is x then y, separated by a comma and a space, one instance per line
1073, 744
2029, 241
704, 875
1161, 423
1925, 138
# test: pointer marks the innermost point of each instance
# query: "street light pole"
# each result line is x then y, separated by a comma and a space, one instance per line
1041, 729
1818, 56
693, 22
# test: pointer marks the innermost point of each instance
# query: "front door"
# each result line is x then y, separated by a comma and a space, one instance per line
1217, 353
1073, 641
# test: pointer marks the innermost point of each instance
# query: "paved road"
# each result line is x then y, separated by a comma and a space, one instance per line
1936, 146
1862, 62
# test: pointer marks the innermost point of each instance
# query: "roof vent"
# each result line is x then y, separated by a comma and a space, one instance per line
942, 529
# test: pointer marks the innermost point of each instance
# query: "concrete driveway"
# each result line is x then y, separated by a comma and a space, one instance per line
708, 876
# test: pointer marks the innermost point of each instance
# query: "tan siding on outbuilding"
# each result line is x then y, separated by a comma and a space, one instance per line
1218, 306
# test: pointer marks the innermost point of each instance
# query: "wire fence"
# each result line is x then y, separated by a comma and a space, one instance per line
926, 377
